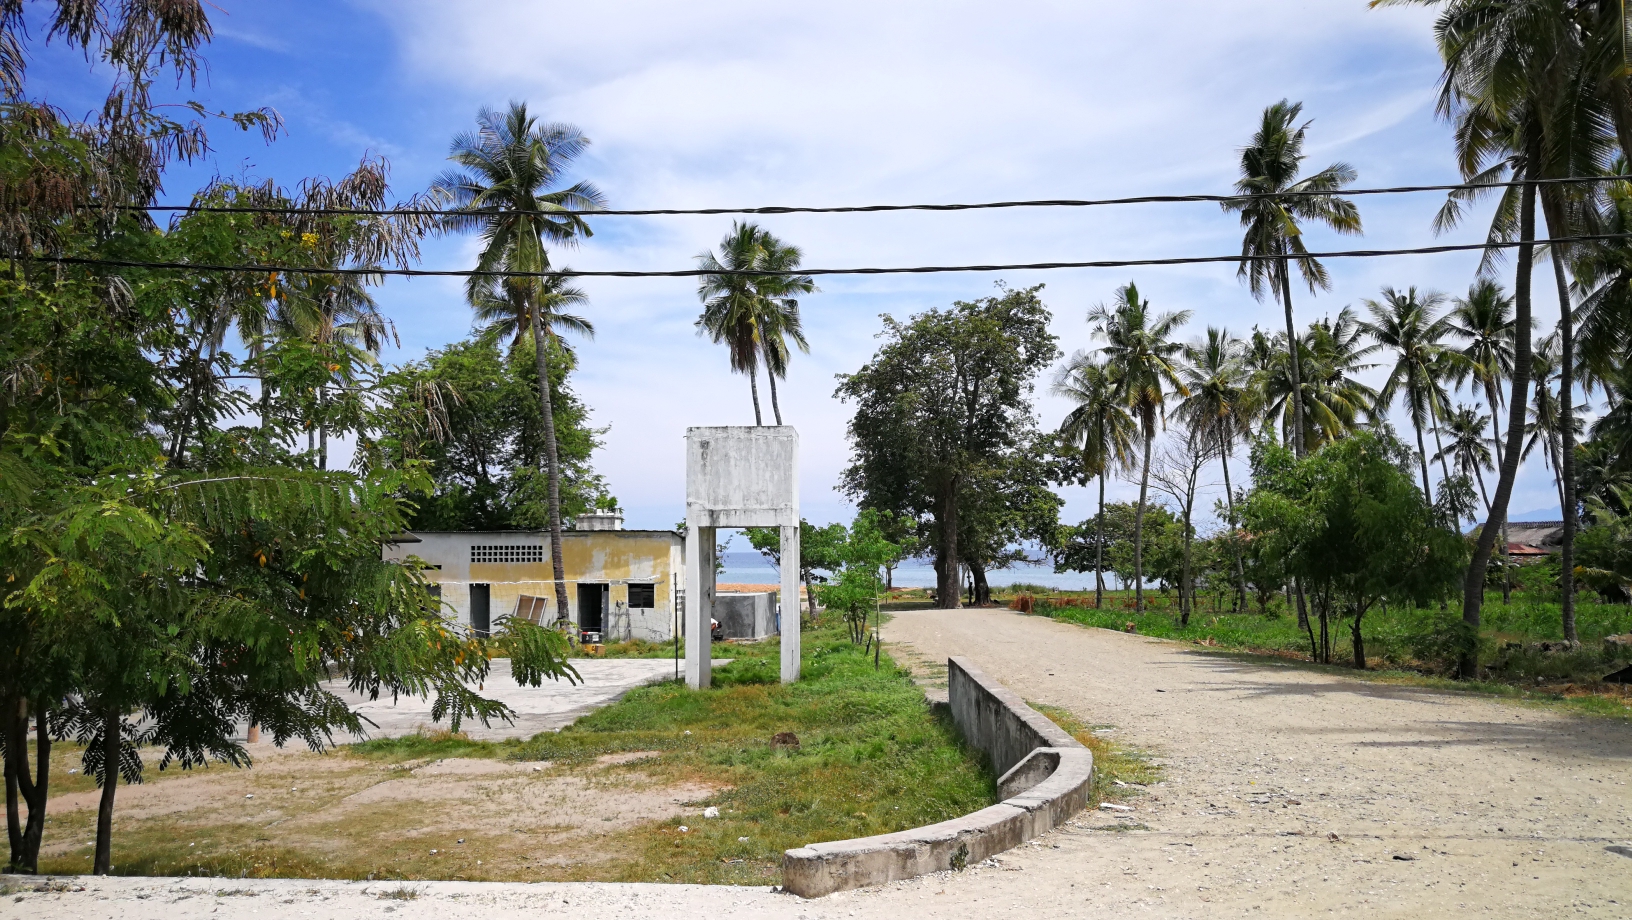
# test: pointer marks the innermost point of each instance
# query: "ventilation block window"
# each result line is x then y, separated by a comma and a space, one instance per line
510, 552
642, 596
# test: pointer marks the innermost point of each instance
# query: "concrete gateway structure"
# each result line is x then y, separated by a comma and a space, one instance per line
621, 584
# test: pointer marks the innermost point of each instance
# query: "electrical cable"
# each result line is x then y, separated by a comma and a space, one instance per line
870, 208
905, 270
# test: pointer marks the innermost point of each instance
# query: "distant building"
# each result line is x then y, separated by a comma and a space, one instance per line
1528, 541
621, 584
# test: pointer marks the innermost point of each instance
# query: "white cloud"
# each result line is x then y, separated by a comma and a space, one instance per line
737, 103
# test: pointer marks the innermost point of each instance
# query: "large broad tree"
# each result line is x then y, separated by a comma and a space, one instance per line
1274, 206
505, 188
945, 397
1143, 355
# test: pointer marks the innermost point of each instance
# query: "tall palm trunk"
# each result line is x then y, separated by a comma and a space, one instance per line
1566, 383
1235, 547
1493, 399
1139, 529
753, 387
1473, 585
1439, 447
1099, 547
1294, 365
776, 410
1422, 457
112, 723
551, 456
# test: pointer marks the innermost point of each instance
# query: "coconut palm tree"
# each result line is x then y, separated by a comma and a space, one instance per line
1274, 206
1469, 448
497, 314
753, 315
1335, 400
779, 321
1220, 406
1143, 358
1545, 425
1100, 429
505, 187
1484, 320
1412, 326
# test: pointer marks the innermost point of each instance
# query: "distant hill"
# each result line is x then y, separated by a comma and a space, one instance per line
1537, 514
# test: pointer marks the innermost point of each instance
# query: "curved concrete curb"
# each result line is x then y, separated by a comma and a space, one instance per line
1045, 775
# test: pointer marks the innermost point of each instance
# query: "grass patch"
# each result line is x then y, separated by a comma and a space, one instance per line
1520, 643
1119, 772
873, 757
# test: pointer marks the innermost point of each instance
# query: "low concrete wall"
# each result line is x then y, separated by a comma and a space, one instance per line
1044, 778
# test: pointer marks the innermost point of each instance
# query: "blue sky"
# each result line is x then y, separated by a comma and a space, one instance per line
738, 103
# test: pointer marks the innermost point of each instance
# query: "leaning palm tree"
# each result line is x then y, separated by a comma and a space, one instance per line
505, 187
1143, 358
1100, 430
1412, 326
753, 315
1274, 204
1220, 407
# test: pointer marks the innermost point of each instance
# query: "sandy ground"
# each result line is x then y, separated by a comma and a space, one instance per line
551, 705
1286, 794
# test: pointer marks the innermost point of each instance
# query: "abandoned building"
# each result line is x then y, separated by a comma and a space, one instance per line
621, 584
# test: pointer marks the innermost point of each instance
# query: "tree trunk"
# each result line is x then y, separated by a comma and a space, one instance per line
1493, 400
1139, 530
36, 789
810, 597
1359, 642
1439, 447
1099, 547
112, 723
948, 587
552, 466
776, 409
1566, 413
1473, 585
753, 387
1235, 545
1294, 365
977, 577
1422, 456
16, 745
323, 428
1187, 591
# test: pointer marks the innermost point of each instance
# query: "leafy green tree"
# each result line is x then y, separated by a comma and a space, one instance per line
1003, 506
505, 188
485, 461
859, 580
945, 397
1101, 432
819, 551
754, 316
1108, 537
1350, 523
1273, 215
1143, 357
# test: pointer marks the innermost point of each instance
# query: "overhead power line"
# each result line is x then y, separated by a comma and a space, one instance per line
904, 270
867, 208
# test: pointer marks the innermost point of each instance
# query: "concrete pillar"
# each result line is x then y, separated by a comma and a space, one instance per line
699, 605
789, 598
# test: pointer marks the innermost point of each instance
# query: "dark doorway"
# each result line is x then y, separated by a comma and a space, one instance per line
591, 606
481, 613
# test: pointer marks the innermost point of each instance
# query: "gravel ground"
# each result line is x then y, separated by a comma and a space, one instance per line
1287, 793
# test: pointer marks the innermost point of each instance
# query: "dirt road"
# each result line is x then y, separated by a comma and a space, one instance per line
1286, 794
